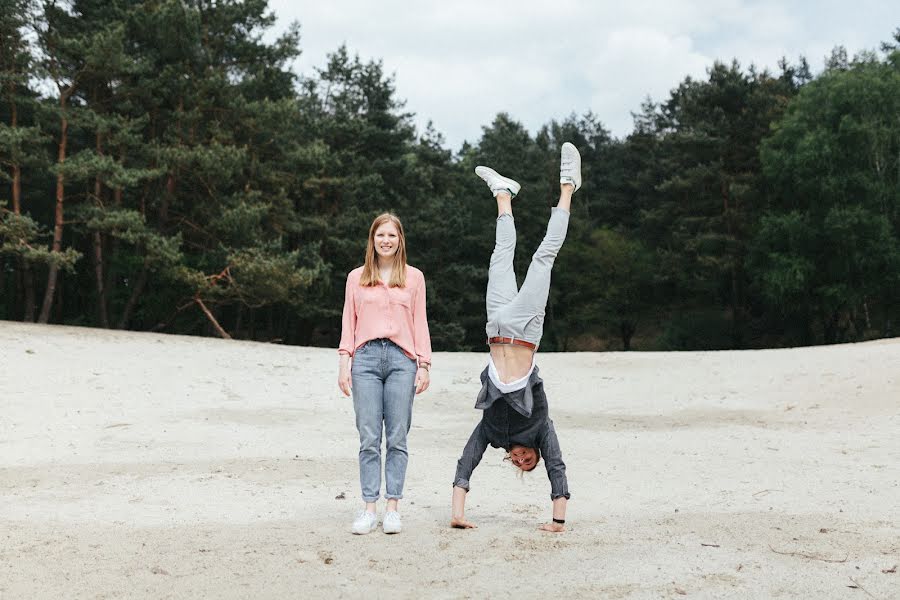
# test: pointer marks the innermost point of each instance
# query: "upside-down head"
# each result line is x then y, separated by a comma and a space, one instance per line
523, 457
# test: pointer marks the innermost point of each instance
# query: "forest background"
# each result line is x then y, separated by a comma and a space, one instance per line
164, 170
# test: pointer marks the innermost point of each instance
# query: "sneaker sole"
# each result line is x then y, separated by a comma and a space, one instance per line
486, 172
577, 159
363, 532
370, 530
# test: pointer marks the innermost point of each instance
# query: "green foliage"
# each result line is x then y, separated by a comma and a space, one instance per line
20, 235
747, 207
260, 277
829, 252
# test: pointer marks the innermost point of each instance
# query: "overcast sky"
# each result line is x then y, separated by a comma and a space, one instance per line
460, 62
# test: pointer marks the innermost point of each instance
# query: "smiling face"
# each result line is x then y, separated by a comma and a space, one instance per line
385, 249
386, 240
524, 458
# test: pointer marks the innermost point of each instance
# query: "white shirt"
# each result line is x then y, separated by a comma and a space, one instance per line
512, 386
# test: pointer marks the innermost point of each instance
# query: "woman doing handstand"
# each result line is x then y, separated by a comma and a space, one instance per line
516, 415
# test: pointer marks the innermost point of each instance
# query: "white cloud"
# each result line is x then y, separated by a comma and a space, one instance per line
460, 63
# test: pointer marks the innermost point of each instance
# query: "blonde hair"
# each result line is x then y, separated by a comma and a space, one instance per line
370, 276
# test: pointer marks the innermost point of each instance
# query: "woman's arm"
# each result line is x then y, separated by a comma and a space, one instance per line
421, 338
556, 472
348, 337
466, 464
344, 378
458, 518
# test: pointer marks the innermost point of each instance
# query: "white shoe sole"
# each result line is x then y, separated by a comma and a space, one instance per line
355, 531
391, 529
496, 180
575, 158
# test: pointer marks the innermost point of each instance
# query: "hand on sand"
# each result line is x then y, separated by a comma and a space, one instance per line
461, 523
552, 527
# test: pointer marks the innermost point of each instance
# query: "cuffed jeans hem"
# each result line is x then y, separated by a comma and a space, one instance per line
393, 497
567, 495
370, 499
462, 483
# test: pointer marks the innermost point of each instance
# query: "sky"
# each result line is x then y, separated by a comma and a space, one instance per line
457, 63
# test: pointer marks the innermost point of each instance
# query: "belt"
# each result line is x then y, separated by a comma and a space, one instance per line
508, 340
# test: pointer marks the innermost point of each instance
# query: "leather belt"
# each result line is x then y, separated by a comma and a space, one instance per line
508, 340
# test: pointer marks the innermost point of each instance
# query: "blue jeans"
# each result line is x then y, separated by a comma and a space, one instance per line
384, 384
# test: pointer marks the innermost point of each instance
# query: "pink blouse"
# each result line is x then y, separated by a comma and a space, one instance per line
379, 311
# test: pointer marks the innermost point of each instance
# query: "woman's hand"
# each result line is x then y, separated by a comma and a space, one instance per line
423, 379
557, 525
462, 523
344, 375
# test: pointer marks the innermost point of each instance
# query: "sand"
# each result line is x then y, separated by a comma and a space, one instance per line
137, 465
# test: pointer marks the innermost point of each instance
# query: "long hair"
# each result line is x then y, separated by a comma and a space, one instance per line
370, 276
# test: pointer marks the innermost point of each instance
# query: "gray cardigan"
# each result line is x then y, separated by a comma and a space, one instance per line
515, 418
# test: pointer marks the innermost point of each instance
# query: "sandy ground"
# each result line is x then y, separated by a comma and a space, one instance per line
152, 466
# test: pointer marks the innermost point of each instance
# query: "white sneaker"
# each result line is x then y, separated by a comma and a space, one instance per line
497, 182
570, 165
392, 522
364, 523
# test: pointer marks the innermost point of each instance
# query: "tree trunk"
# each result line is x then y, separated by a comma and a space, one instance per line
737, 333
304, 331
102, 314
627, 330
736, 326
171, 177
24, 265
102, 309
28, 284
135, 295
16, 169
59, 303
58, 219
109, 277
238, 321
212, 319
830, 326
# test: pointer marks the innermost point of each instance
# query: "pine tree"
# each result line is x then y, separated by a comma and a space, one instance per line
20, 143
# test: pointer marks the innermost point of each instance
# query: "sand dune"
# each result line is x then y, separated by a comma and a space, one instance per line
152, 466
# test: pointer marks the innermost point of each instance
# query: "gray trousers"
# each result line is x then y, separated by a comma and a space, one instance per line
519, 313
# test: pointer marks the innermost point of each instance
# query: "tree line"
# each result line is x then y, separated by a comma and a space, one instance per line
165, 170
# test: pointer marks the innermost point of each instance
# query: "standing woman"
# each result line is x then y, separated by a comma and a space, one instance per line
385, 357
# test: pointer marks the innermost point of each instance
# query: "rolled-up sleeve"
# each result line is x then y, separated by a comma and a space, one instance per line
421, 335
348, 321
470, 458
556, 468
